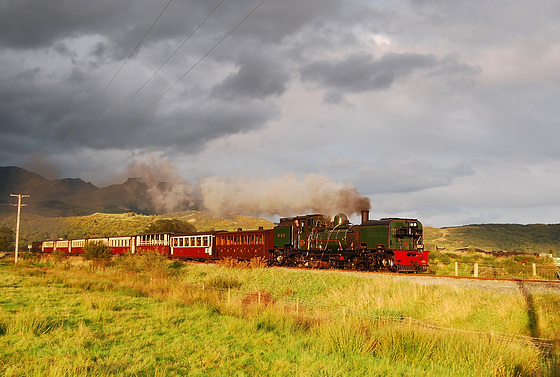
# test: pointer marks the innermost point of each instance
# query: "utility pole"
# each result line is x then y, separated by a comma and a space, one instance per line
19, 205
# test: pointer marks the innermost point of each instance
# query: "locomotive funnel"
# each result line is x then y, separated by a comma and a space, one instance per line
365, 216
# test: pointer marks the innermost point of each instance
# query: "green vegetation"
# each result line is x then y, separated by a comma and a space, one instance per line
170, 225
512, 266
535, 238
7, 238
37, 228
99, 253
146, 316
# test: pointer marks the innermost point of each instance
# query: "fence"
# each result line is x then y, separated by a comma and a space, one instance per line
294, 306
530, 271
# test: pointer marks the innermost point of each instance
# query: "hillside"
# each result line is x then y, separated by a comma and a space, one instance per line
533, 238
38, 228
537, 238
73, 208
74, 197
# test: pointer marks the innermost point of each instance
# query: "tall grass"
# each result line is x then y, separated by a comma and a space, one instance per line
147, 316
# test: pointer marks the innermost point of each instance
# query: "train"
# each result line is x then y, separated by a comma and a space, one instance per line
314, 241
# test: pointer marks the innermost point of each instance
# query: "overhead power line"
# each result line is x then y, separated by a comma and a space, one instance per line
181, 78
116, 73
92, 104
169, 58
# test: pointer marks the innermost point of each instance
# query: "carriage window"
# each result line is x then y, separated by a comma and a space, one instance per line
205, 241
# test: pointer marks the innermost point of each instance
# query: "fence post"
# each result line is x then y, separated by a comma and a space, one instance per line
229, 295
534, 269
476, 270
456, 268
297, 306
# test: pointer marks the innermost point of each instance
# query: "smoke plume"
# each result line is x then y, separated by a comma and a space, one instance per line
167, 190
284, 196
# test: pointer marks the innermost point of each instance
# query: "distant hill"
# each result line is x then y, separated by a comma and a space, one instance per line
533, 238
74, 197
74, 208
38, 228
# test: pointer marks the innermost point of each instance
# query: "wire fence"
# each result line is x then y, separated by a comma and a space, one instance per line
288, 305
528, 271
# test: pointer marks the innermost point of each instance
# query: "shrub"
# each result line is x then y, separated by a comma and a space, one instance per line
99, 253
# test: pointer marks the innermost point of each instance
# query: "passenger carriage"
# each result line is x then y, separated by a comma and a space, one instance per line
152, 243
244, 245
122, 244
199, 246
77, 246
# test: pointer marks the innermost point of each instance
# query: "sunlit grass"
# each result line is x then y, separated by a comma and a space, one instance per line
146, 316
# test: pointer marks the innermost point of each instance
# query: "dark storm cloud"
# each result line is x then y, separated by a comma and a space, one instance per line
186, 131
60, 55
441, 82
362, 72
55, 69
36, 23
258, 77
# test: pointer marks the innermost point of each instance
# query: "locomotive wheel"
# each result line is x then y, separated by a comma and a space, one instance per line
387, 262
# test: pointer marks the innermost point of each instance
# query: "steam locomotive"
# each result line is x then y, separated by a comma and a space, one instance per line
315, 241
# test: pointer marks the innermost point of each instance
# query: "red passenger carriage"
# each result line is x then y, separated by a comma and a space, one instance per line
194, 246
47, 246
77, 246
244, 244
62, 246
152, 243
122, 245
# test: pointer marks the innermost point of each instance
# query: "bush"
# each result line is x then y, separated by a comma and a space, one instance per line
99, 253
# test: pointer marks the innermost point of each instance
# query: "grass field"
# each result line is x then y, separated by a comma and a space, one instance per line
145, 316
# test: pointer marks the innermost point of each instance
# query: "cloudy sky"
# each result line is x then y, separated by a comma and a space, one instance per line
448, 111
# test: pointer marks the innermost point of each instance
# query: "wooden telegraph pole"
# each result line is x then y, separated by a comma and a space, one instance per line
19, 205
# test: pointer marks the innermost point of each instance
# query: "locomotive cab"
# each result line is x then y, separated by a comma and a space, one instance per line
293, 232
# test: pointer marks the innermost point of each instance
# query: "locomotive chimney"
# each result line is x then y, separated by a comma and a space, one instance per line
365, 216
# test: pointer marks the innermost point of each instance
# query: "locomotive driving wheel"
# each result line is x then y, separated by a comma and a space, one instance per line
388, 261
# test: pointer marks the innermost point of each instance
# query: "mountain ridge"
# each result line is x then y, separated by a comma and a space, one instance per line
75, 197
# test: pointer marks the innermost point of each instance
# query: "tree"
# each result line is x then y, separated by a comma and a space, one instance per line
171, 226
6, 238
99, 253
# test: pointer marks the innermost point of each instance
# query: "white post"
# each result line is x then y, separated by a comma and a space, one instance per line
534, 269
476, 270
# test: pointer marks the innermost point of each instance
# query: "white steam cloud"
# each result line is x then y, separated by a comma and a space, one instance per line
167, 190
284, 196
